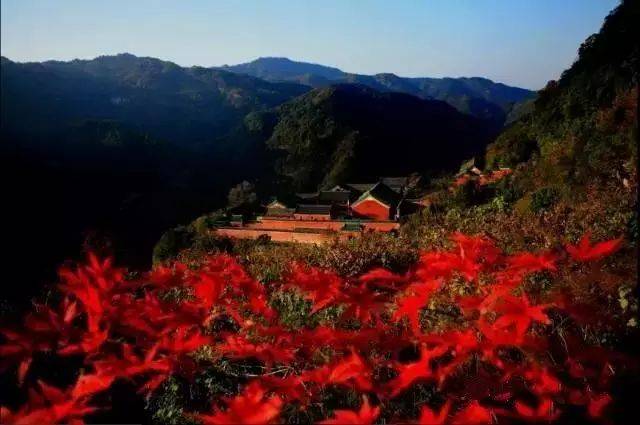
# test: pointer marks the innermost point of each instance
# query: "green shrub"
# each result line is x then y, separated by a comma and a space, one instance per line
168, 403
466, 195
543, 199
508, 190
632, 227
172, 242
207, 222
512, 147
374, 249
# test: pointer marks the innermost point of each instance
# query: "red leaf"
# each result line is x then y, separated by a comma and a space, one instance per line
528, 263
412, 372
544, 411
597, 405
473, 414
519, 313
88, 385
584, 251
322, 288
237, 346
23, 369
250, 407
365, 416
415, 297
350, 371
429, 416
383, 278
543, 383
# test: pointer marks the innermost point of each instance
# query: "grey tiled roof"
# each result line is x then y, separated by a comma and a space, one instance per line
331, 197
382, 193
313, 209
361, 187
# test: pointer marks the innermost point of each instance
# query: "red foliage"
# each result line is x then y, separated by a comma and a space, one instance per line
251, 407
472, 414
365, 416
544, 411
126, 329
430, 417
584, 251
411, 372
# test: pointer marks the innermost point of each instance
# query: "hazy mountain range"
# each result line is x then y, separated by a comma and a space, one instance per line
478, 96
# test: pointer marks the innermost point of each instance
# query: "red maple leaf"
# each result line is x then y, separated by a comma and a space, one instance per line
365, 416
90, 342
88, 385
47, 406
362, 304
237, 346
597, 405
544, 412
131, 365
350, 370
434, 265
430, 417
472, 414
519, 313
409, 373
207, 289
383, 278
184, 340
321, 287
476, 249
291, 388
415, 297
23, 368
542, 382
528, 263
584, 251
494, 337
250, 407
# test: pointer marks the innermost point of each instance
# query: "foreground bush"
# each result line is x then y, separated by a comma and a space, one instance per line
464, 336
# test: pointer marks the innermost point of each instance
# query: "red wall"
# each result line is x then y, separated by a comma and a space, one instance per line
314, 217
371, 209
287, 224
284, 236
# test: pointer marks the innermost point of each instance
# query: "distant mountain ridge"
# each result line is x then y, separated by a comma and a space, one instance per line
477, 96
193, 105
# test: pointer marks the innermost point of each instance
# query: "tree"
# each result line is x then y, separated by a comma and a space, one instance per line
241, 194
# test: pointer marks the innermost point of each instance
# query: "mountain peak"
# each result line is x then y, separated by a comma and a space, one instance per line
272, 59
282, 68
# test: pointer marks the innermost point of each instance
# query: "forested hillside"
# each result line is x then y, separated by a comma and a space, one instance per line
352, 132
573, 154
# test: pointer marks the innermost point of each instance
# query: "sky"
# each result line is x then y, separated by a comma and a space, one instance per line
518, 42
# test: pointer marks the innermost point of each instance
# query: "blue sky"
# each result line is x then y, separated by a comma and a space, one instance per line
518, 42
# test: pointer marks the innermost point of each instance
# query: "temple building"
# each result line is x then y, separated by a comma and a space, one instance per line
345, 210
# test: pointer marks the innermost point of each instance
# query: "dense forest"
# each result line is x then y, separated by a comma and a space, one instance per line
352, 132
